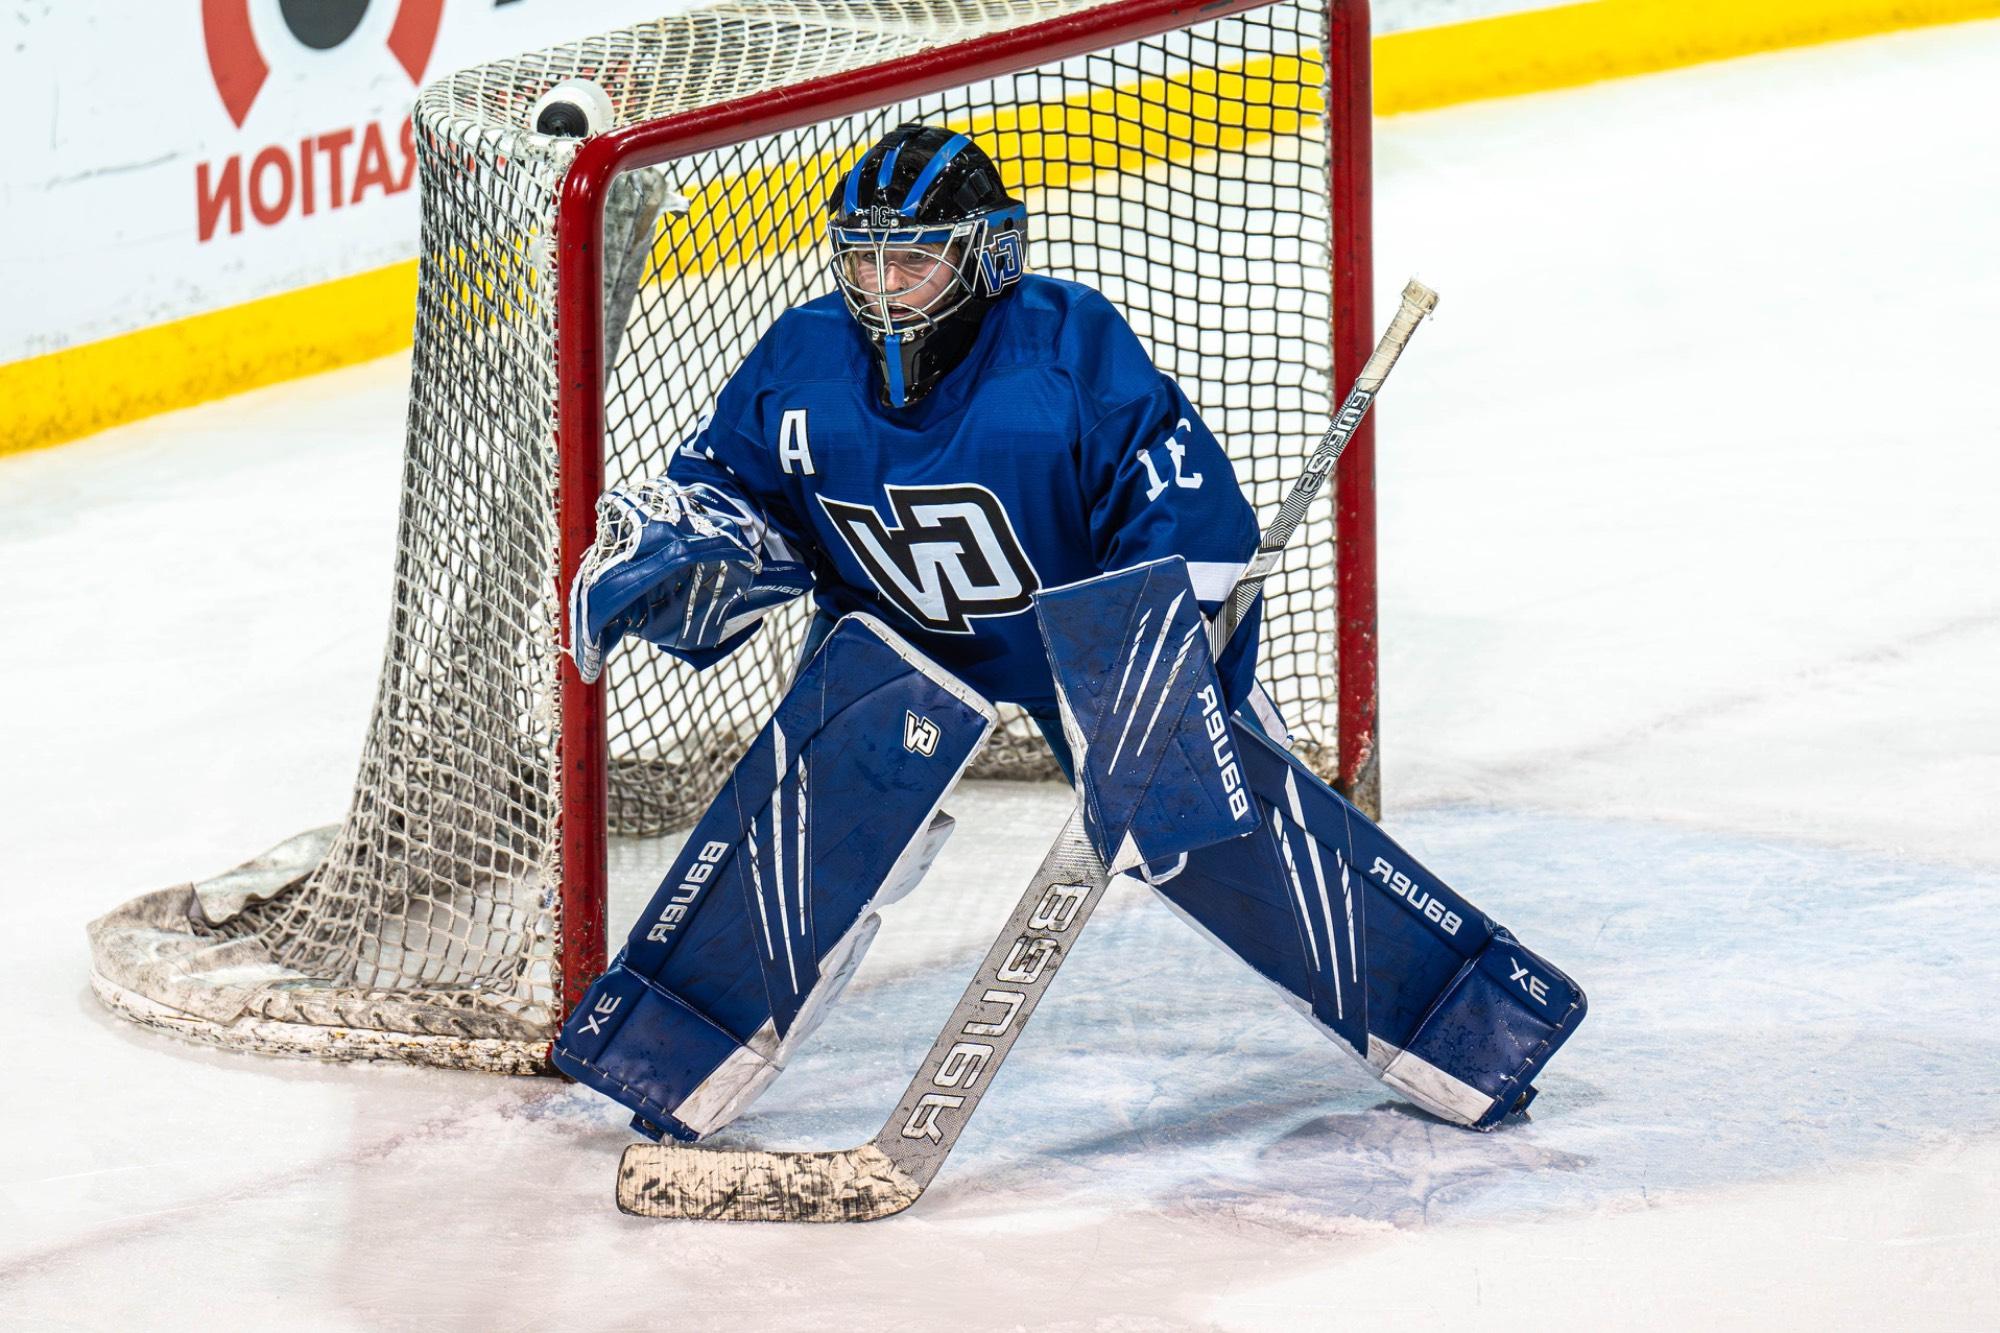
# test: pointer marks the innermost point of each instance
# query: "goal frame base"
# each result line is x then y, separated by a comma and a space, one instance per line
326, 1045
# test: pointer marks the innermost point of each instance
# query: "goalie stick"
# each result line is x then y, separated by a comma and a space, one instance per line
888, 1174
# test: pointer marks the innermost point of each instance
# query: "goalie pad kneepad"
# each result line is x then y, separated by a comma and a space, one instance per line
1144, 713
1443, 1003
769, 907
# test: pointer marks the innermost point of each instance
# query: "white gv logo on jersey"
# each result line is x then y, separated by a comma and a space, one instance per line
945, 555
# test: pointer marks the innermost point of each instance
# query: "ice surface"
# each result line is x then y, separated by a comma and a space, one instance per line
1691, 628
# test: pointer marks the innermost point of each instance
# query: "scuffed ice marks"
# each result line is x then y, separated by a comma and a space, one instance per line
1393, 1164
1760, 1010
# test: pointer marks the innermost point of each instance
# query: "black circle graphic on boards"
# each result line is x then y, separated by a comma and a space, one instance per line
322, 24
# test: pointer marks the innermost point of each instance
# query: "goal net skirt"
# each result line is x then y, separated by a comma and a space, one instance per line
579, 305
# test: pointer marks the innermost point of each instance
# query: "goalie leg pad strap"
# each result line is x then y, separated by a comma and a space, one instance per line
768, 907
1458, 1016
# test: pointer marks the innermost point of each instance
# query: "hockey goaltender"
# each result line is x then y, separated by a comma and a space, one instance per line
990, 493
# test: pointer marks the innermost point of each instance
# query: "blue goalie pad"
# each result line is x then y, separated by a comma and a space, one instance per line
769, 907
1448, 1008
1144, 713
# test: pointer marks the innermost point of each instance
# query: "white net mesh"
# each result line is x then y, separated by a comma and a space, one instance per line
1184, 176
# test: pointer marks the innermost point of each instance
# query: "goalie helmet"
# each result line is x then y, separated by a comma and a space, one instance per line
925, 240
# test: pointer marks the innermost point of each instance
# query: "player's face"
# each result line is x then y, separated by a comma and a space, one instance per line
908, 283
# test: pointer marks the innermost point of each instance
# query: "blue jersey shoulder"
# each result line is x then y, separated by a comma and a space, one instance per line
814, 341
1072, 333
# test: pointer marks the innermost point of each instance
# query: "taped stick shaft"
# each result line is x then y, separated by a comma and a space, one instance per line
996, 1005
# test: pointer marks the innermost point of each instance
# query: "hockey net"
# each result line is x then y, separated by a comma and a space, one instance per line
1188, 173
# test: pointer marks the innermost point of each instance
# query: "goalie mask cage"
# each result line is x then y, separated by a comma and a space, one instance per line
579, 305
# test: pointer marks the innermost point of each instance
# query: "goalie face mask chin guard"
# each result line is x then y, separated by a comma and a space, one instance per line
925, 240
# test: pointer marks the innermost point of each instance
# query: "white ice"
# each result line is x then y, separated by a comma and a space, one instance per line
1691, 628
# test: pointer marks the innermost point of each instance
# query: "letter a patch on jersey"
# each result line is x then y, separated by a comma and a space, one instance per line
794, 449
945, 555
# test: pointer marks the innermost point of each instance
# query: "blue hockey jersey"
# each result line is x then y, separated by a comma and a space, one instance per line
1053, 452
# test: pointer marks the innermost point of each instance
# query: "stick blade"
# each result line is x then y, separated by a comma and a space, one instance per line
852, 1185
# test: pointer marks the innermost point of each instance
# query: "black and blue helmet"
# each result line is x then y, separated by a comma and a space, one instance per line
925, 239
